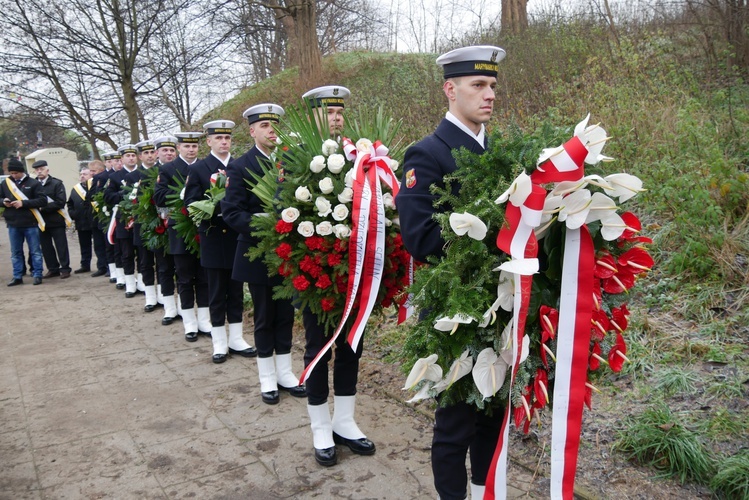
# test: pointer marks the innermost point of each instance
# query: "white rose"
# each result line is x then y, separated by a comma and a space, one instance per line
290, 214
397, 221
394, 165
306, 229
303, 194
326, 185
336, 163
317, 164
363, 145
329, 147
388, 200
346, 196
324, 228
388, 222
341, 231
323, 206
349, 179
340, 213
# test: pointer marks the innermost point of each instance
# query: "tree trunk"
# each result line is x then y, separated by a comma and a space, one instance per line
514, 16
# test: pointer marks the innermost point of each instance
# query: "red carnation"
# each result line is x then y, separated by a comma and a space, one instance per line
284, 251
283, 227
285, 269
340, 246
300, 283
323, 282
327, 304
314, 242
334, 259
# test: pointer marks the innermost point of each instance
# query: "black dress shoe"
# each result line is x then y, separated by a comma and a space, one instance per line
98, 273
64, 275
207, 334
219, 358
82, 270
113, 280
250, 352
129, 295
191, 336
168, 320
15, 281
298, 391
149, 308
52, 274
119, 286
326, 457
270, 397
37, 281
361, 446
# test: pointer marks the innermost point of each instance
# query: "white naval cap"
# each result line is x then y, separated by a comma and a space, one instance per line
261, 112
127, 148
329, 95
146, 145
165, 141
473, 60
188, 137
218, 127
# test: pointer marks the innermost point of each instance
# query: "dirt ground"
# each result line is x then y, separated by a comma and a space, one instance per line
99, 400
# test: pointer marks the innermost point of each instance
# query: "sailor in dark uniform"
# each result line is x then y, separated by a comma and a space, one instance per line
145, 278
123, 235
218, 243
166, 150
470, 79
274, 319
342, 429
97, 235
99, 183
192, 286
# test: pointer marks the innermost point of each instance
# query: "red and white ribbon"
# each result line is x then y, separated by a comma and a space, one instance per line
112, 224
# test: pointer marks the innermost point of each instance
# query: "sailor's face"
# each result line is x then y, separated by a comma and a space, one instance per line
471, 98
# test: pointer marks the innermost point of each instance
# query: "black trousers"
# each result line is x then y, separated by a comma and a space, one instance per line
192, 283
165, 270
225, 297
103, 256
146, 265
55, 249
345, 365
274, 320
127, 254
457, 429
84, 243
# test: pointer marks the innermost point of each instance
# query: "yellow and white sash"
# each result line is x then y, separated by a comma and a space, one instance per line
18, 194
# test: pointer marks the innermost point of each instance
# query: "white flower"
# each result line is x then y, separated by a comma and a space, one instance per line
388, 201
388, 222
489, 372
340, 212
518, 191
329, 147
317, 164
303, 194
625, 186
422, 394
323, 206
575, 208
324, 228
506, 290
349, 179
326, 185
341, 231
424, 369
336, 163
467, 223
290, 214
446, 324
394, 165
459, 369
363, 145
306, 228
346, 196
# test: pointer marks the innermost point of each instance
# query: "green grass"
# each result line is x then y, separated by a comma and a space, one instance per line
675, 379
732, 477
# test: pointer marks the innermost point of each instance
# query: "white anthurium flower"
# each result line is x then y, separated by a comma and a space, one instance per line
580, 127
489, 372
612, 226
506, 290
329, 147
303, 194
424, 369
317, 164
289, 214
467, 223
422, 394
490, 316
547, 153
446, 324
522, 267
600, 206
566, 187
552, 205
326, 185
346, 196
595, 140
323, 206
459, 369
518, 192
336, 162
575, 208
506, 343
624, 186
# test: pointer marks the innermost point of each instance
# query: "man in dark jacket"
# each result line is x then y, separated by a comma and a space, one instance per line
80, 211
54, 238
22, 198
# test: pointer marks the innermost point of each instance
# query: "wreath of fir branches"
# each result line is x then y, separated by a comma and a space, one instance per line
183, 223
152, 228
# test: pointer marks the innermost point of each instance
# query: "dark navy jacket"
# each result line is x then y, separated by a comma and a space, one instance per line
426, 163
169, 175
218, 242
54, 190
113, 194
79, 208
22, 217
239, 207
